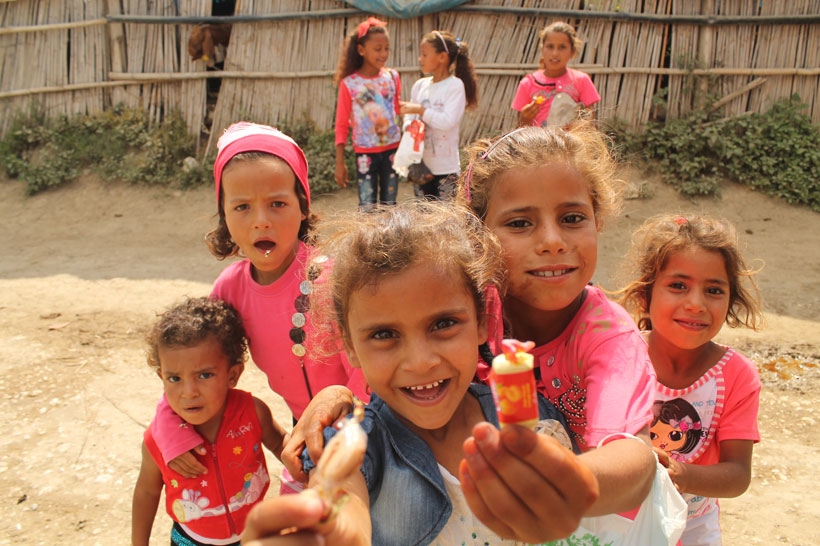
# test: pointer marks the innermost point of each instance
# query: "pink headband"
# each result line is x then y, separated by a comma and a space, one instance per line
251, 137
365, 26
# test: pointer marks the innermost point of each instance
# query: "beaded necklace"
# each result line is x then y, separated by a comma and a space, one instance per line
299, 318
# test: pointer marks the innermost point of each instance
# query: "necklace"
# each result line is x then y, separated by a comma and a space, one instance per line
299, 318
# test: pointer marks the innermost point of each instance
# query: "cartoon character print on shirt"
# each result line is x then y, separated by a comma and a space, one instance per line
377, 125
677, 428
194, 506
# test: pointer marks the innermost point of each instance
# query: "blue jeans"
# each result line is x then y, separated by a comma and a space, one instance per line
376, 179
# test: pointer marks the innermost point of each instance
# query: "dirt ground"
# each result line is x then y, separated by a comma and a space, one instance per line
85, 269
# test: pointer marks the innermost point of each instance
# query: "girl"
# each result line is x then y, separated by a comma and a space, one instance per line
198, 350
431, 263
690, 279
545, 192
369, 103
553, 94
263, 203
439, 100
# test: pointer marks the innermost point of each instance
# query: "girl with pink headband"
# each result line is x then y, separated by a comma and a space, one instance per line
263, 207
368, 105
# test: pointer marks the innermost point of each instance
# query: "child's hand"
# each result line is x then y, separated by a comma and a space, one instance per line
674, 468
297, 520
523, 485
529, 112
329, 405
187, 464
341, 175
410, 108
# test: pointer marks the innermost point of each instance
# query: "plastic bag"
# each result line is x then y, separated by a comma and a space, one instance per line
660, 521
411, 148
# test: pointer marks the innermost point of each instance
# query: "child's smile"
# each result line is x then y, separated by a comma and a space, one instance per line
421, 360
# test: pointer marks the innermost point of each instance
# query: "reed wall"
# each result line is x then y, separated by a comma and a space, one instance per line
81, 56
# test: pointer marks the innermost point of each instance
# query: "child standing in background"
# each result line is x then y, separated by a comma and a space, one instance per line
439, 100
369, 104
198, 349
689, 280
407, 291
263, 203
554, 94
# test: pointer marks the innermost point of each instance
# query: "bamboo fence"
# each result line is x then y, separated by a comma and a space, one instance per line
81, 56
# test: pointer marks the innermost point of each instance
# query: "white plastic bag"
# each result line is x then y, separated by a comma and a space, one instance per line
659, 522
411, 148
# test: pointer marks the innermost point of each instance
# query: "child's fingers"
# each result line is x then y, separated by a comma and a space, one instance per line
530, 482
187, 465
280, 517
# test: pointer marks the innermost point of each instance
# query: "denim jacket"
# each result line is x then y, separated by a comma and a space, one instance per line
408, 502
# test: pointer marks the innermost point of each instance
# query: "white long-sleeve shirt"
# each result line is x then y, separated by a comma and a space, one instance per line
444, 104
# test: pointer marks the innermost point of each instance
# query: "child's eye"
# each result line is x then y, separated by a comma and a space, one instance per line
383, 334
278, 204
715, 291
574, 218
172, 379
442, 324
206, 375
239, 208
518, 224
677, 285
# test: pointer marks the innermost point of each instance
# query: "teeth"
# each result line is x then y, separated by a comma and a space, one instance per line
432, 385
267, 253
550, 273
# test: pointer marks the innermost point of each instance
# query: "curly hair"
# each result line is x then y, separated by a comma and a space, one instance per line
662, 236
194, 320
581, 147
349, 58
367, 247
219, 239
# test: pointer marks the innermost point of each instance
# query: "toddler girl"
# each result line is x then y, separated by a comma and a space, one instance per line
439, 100
369, 103
198, 351
690, 279
553, 94
263, 203
407, 291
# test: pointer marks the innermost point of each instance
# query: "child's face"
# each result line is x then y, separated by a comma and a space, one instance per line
375, 51
556, 52
690, 298
196, 381
262, 214
415, 335
545, 221
432, 61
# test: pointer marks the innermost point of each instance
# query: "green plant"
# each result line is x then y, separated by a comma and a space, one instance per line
776, 152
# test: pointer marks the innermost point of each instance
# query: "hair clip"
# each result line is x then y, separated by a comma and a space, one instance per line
484, 156
680, 220
365, 26
443, 42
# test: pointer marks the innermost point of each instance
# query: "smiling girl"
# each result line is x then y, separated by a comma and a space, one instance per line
689, 279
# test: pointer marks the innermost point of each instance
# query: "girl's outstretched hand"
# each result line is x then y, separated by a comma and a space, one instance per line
296, 520
528, 113
523, 485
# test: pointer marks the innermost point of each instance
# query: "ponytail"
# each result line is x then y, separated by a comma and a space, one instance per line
466, 73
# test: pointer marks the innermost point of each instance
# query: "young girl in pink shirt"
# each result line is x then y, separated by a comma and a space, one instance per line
554, 94
368, 105
689, 280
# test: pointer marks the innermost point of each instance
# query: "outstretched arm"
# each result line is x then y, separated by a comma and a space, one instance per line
273, 435
523, 485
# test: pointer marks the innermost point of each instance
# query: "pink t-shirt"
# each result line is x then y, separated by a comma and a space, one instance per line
267, 313
721, 405
575, 83
370, 106
597, 372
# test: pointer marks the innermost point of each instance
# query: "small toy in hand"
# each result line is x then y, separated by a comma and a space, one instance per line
343, 455
513, 384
